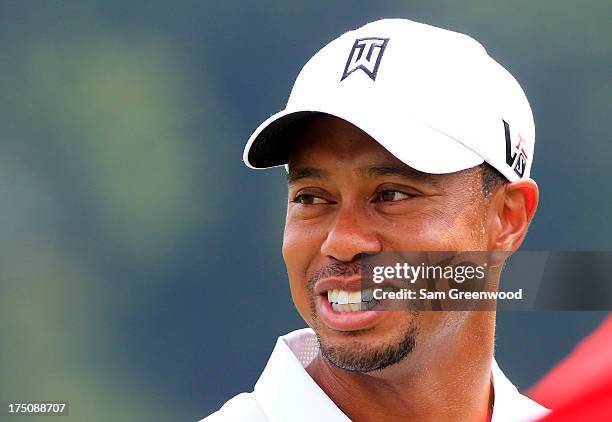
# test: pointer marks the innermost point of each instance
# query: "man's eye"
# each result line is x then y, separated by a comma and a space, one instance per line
309, 199
392, 196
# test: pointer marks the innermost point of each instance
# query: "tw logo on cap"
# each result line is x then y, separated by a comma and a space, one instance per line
365, 55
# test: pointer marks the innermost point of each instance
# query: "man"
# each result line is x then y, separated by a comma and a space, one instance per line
397, 136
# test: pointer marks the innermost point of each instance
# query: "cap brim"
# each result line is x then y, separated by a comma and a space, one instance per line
419, 146
270, 145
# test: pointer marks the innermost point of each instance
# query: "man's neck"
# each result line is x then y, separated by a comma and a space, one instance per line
451, 383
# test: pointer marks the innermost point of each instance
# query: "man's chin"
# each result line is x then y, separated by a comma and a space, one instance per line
365, 350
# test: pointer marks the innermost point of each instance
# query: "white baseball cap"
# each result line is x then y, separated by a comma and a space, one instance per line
433, 98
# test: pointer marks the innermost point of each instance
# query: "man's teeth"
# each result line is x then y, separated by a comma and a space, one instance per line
349, 301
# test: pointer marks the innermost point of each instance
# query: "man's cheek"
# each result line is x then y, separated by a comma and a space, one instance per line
299, 294
294, 256
291, 242
296, 261
300, 250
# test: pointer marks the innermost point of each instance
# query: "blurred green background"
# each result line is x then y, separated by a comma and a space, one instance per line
140, 267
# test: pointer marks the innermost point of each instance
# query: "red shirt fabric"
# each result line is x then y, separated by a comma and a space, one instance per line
580, 387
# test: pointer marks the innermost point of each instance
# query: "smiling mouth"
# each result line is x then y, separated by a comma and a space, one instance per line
352, 301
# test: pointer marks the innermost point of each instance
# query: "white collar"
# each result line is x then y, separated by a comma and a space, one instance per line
286, 392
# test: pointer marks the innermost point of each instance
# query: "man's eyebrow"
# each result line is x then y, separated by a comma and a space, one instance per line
395, 170
304, 173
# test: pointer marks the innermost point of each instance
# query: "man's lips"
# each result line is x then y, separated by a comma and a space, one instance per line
348, 320
351, 284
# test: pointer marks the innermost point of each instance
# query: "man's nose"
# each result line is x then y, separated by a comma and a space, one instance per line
350, 236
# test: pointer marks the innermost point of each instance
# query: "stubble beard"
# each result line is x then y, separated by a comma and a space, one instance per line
355, 356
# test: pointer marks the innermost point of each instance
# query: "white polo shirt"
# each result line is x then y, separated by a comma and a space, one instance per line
286, 393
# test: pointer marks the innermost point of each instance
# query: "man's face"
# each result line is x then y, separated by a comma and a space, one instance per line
349, 196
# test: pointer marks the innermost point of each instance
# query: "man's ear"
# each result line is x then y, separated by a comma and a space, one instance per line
514, 205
